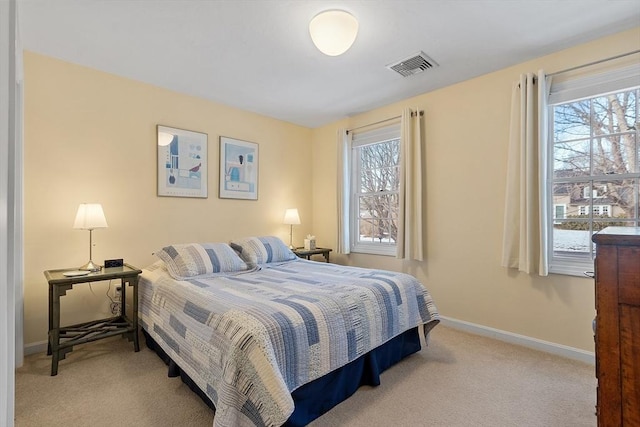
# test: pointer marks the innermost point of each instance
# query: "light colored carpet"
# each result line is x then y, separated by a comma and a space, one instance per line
459, 380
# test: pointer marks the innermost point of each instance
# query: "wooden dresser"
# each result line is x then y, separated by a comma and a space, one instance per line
617, 334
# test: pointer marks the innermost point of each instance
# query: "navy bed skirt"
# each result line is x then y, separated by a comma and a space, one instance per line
319, 396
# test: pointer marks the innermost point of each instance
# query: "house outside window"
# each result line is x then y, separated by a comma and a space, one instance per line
602, 210
594, 172
375, 167
560, 211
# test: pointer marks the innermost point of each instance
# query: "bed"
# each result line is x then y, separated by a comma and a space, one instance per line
270, 339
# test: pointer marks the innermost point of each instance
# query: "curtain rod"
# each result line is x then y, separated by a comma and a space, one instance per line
594, 63
383, 121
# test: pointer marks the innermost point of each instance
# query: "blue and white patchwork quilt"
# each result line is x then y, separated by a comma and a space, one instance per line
249, 339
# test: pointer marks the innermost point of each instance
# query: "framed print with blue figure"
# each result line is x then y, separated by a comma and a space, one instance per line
238, 169
182, 163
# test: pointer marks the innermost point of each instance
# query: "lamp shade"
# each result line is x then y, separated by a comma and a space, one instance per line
291, 217
333, 31
89, 217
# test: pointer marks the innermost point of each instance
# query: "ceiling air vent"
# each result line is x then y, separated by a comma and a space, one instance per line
414, 64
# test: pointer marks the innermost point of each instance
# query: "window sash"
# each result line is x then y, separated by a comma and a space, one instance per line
577, 263
360, 140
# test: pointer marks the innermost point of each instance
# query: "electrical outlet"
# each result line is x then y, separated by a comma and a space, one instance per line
116, 301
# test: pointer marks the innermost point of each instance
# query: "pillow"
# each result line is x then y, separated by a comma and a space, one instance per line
200, 259
262, 250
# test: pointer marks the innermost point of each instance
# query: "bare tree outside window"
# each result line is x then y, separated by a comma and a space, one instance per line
596, 175
378, 166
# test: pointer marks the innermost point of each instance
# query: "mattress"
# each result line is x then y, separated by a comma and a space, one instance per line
248, 340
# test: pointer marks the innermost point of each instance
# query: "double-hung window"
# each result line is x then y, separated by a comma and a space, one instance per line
374, 192
594, 167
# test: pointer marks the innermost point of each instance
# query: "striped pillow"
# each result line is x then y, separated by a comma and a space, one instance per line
200, 259
262, 250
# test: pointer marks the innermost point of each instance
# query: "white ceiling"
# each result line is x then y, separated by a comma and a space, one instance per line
257, 55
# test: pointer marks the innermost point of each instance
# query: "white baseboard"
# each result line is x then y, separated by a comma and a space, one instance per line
35, 347
525, 341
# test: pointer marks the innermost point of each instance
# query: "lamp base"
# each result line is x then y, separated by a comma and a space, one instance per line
90, 266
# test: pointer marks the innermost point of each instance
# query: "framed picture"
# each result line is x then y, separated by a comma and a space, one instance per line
238, 169
182, 163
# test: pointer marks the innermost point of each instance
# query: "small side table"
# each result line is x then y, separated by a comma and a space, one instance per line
306, 253
62, 339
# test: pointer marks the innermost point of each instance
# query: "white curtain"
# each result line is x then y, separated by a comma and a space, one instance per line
344, 162
409, 243
525, 240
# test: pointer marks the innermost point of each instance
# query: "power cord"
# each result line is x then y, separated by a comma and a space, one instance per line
114, 306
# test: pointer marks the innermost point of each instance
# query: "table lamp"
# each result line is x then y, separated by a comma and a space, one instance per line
89, 217
291, 217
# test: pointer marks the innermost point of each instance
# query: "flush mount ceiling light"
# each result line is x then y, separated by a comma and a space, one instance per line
333, 31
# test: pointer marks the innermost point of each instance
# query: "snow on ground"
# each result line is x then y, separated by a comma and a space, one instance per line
571, 240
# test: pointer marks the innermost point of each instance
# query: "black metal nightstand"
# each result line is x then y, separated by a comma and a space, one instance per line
62, 339
306, 253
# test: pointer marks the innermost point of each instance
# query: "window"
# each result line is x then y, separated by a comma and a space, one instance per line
595, 193
594, 173
375, 164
